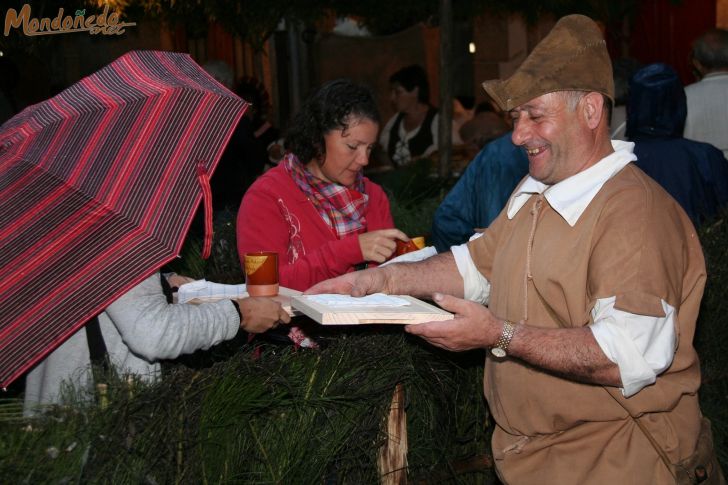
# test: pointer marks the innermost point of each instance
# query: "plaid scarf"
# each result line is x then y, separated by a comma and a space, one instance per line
341, 207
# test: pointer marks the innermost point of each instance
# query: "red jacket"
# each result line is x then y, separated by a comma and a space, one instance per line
276, 216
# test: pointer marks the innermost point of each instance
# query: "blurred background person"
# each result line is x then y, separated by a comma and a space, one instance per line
694, 173
486, 124
412, 132
707, 99
267, 135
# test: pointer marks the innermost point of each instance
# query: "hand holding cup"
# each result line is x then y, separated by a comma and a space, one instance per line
378, 246
260, 314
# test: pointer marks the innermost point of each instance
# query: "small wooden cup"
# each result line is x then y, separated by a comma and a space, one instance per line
261, 273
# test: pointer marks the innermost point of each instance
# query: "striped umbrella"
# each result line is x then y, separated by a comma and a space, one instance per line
98, 187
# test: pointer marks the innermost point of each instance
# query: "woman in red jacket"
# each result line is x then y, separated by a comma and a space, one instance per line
315, 208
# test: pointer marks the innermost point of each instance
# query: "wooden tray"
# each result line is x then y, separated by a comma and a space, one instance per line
417, 312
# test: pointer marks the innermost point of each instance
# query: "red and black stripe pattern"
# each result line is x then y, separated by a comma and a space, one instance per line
98, 187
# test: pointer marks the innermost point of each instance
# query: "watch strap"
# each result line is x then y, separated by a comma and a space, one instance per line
500, 349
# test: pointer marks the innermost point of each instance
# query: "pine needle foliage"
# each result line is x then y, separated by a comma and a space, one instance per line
711, 338
267, 414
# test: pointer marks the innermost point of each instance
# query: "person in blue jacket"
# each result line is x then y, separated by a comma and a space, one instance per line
694, 173
480, 194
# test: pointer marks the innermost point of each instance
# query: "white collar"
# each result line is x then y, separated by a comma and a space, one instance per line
572, 196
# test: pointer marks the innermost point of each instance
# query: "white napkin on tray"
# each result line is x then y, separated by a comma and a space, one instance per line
377, 299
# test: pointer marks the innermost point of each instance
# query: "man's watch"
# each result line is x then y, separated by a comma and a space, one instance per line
500, 349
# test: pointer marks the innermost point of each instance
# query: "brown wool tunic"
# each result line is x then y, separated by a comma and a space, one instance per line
634, 242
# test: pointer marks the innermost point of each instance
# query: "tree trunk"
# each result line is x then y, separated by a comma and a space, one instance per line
445, 126
294, 51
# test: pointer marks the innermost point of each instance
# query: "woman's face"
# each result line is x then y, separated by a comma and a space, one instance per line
347, 152
403, 100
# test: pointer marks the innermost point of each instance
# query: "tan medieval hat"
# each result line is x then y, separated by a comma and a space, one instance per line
573, 56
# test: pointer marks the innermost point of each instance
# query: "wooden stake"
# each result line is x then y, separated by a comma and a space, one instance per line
392, 459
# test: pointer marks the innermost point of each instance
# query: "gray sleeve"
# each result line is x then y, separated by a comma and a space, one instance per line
155, 329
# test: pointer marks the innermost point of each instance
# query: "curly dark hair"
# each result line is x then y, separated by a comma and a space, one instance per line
332, 107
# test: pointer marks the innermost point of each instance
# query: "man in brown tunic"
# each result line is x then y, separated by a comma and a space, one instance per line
602, 273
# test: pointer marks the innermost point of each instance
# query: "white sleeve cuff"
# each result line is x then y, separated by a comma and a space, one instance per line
642, 346
475, 286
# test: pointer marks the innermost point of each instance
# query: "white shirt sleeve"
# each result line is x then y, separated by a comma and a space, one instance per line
476, 286
642, 346
154, 329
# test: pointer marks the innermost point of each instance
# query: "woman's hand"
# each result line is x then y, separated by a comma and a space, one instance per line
379, 245
261, 314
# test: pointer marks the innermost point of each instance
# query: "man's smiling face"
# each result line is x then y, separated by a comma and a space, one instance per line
552, 135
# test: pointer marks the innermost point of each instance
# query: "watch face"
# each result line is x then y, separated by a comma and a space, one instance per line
498, 352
